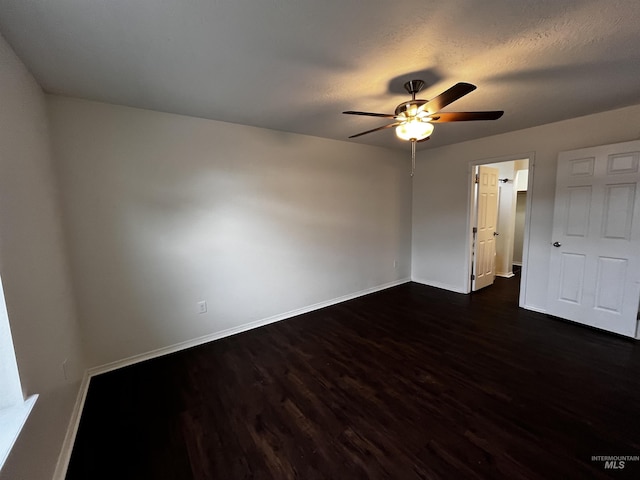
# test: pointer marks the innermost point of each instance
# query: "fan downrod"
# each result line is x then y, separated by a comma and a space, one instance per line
413, 87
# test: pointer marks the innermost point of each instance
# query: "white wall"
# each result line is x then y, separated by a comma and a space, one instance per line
440, 207
164, 210
34, 272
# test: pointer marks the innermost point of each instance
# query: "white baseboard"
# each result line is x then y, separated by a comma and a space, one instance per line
74, 422
443, 286
506, 275
70, 437
235, 330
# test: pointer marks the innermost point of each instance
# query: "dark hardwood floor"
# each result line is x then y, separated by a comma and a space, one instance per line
409, 383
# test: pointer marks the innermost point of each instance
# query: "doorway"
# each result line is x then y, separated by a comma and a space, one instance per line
507, 257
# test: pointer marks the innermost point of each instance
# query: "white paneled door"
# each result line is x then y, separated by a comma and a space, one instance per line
484, 254
595, 251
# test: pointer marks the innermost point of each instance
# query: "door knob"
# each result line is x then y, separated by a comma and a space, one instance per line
557, 244
495, 234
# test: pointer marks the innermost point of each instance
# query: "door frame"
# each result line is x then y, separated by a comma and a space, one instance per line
472, 210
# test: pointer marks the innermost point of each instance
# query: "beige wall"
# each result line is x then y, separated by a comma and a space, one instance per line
440, 208
33, 268
164, 211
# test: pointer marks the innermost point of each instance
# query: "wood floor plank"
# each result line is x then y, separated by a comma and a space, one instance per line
409, 383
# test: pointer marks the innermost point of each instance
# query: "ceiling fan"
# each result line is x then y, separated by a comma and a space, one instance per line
414, 119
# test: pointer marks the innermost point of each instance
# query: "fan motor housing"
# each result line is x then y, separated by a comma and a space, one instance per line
412, 105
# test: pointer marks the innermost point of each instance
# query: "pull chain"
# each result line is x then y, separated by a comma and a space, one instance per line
413, 157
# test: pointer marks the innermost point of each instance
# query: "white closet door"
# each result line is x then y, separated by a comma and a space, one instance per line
595, 252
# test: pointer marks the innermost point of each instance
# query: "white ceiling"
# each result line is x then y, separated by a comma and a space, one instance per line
294, 65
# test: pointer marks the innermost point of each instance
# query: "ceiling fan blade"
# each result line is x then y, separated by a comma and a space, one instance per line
424, 139
454, 93
444, 117
375, 129
369, 114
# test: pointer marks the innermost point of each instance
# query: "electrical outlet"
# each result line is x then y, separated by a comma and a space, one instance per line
202, 307
65, 369
395, 264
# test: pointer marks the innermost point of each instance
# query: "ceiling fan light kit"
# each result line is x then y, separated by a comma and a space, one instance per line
414, 129
414, 119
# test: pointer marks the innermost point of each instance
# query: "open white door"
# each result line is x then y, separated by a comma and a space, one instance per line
484, 246
595, 258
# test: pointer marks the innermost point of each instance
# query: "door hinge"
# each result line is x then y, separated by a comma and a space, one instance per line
475, 230
473, 277
477, 178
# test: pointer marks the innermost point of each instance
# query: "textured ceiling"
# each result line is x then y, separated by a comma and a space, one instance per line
294, 65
